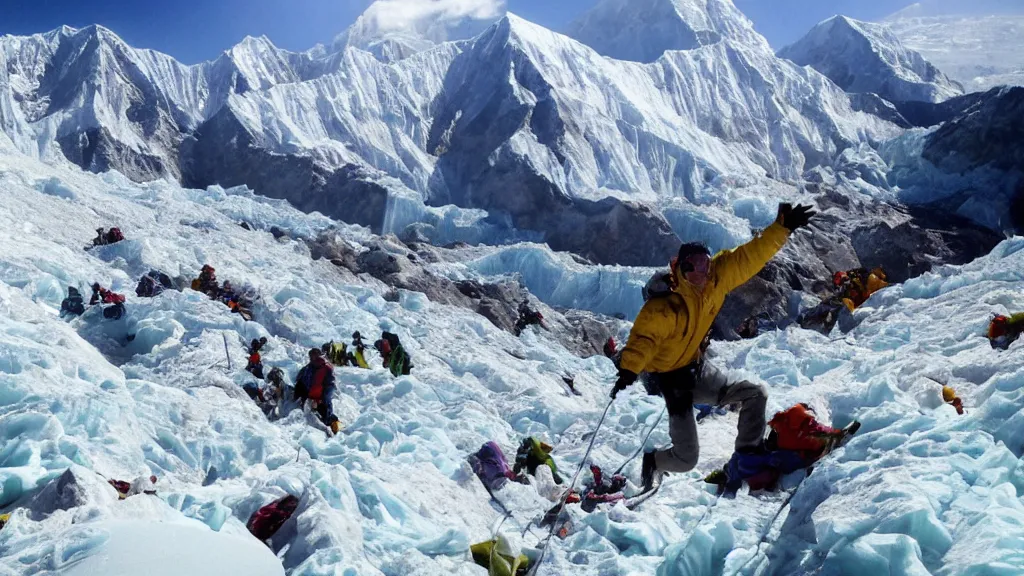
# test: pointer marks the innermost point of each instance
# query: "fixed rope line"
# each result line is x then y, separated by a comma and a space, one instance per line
643, 443
568, 491
768, 530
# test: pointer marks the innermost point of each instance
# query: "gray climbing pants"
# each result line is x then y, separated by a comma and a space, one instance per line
704, 384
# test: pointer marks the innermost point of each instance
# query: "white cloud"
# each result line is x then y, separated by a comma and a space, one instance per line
386, 16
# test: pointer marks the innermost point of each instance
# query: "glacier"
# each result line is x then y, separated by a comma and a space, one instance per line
919, 490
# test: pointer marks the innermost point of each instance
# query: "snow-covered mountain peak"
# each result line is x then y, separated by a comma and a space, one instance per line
643, 30
868, 57
394, 29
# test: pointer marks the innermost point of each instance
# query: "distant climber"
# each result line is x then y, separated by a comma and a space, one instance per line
610, 348
668, 336
949, 397
105, 237
359, 355
153, 284
269, 397
859, 284
1005, 330
490, 466
601, 489
528, 316
265, 397
315, 382
254, 365
73, 305
241, 305
266, 521
336, 353
393, 354
850, 289
499, 558
533, 453
797, 440
101, 295
748, 328
141, 485
207, 282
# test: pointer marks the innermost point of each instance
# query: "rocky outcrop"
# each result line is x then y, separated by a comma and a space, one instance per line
223, 152
987, 136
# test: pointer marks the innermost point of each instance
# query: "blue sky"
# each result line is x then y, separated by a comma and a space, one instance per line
196, 30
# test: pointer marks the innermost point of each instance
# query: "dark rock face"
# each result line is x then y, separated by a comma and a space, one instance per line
990, 132
988, 135
95, 150
223, 152
928, 114
75, 487
871, 103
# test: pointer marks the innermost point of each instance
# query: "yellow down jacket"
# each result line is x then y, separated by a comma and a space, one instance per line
667, 333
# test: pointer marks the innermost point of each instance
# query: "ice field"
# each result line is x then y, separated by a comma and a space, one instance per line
920, 490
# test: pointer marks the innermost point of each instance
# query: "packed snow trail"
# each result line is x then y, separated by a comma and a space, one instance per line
919, 490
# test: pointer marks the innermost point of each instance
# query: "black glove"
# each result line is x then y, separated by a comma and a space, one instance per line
626, 379
794, 217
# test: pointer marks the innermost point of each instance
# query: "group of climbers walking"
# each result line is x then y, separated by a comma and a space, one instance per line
315, 382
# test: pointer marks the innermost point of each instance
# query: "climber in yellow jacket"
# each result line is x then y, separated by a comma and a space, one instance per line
499, 558
667, 341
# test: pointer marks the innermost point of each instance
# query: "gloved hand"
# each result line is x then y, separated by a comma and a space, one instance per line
626, 379
794, 217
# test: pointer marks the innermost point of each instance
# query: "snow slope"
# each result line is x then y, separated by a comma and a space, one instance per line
920, 490
866, 57
641, 31
981, 45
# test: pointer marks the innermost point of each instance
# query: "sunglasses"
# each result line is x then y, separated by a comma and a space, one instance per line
698, 263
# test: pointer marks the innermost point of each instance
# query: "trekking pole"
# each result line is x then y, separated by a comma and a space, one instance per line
572, 484
643, 443
226, 353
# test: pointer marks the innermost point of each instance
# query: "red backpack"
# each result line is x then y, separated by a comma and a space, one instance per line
266, 521
114, 235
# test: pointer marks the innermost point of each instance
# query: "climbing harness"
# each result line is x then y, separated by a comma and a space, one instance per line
643, 443
572, 484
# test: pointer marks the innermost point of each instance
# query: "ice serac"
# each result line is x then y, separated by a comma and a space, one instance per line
866, 57
979, 44
643, 30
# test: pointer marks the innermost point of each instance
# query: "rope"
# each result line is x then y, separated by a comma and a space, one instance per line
767, 531
568, 491
642, 443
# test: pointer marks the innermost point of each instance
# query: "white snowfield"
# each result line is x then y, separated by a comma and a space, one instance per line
919, 491
979, 44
